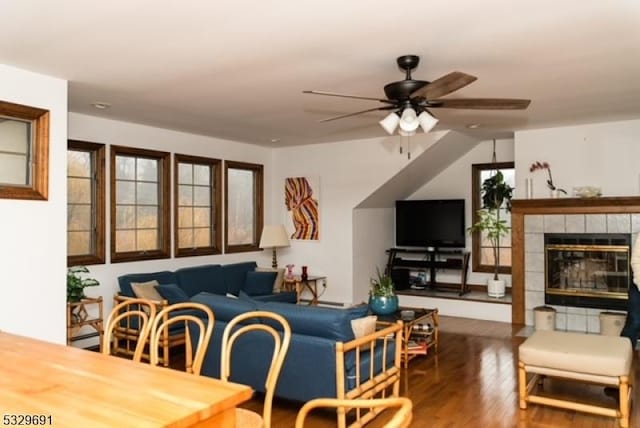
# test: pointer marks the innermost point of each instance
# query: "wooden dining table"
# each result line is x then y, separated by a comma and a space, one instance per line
62, 386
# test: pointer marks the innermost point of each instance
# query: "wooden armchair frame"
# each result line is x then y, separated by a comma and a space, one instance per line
142, 309
126, 336
380, 378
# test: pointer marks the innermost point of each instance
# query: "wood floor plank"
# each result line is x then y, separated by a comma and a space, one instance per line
472, 382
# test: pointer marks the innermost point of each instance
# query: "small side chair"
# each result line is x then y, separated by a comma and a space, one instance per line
188, 312
236, 328
122, 317
401, 418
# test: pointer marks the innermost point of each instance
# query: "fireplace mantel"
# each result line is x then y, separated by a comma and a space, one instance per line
523, 207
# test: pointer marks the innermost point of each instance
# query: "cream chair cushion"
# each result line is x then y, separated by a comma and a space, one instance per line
364, 326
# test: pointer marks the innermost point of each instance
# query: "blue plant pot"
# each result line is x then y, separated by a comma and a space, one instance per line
383, 305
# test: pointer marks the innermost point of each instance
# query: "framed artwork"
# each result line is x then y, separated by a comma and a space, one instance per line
302, 201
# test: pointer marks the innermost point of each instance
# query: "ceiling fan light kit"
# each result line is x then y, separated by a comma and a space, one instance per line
409, 99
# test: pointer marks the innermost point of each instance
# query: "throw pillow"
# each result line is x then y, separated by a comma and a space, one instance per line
277, 284
172, 293
259, 283
364, 326
146, 290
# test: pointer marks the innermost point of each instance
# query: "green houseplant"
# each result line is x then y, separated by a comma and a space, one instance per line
496, 194
382, 296
76, 283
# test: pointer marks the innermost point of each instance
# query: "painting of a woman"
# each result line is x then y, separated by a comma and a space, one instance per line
303, 206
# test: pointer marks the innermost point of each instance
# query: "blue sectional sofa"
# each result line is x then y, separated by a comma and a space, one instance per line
310, 369
216, 279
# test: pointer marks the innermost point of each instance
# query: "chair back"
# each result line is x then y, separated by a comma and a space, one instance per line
121, 318
281, 346
185, 312
401, 418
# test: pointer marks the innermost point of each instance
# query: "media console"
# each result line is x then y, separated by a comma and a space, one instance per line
433, 260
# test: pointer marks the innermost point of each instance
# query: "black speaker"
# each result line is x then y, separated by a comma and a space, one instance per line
400, 278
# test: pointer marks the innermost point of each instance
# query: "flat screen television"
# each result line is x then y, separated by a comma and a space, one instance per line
430, 223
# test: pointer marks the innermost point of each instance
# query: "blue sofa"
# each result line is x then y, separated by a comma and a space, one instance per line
216, 279
310, 368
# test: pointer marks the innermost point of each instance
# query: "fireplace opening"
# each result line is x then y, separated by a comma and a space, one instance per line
587, 270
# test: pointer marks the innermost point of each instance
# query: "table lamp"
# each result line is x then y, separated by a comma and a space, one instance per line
274, 236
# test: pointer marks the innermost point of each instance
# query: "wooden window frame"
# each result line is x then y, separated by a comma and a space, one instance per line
38, 189
216, 205
164, 182
476, 204
258, 171
98, 156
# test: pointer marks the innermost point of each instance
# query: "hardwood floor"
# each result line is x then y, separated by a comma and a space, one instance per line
472, 382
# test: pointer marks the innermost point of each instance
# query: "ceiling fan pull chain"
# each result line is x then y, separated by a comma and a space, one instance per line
493, 156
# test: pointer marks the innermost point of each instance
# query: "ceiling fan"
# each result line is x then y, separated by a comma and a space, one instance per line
410, 100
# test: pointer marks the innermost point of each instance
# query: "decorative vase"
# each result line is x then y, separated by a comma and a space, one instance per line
555, 193
383, 305
304, 275
496, 288
290, 274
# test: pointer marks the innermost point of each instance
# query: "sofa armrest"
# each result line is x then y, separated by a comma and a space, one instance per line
376, 367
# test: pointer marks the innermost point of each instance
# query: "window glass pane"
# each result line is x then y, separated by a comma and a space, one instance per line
79, 163
15, 136
185, 173
147, 239
147, 169
125, 217
79, 190
201, 217
13, 169
125, 240
147, 193
125, 192
185, 217
202, 237
202, 196
241, 207
185, 195
202, 175
147, 217
125, 168
185, 238
78, 243
79, 217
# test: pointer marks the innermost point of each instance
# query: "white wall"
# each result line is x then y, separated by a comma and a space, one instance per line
112, 132
33, 233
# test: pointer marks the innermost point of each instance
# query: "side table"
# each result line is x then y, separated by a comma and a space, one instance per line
78, 316
310, 284
422, 316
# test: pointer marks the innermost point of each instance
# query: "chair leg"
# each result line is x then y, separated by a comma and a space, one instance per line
624, 401
522, 386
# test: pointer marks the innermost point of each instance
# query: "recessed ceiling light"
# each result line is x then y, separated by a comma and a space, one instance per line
101, 105
473, 125
275, 140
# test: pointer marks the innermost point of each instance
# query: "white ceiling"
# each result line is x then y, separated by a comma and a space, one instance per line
237, 69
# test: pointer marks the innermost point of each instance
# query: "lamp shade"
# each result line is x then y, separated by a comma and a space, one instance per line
409, 120
274, 236
427, 122
390, 122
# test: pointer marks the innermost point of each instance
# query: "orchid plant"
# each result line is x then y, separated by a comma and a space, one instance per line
537, 165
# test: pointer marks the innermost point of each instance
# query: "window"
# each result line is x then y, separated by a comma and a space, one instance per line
24, 152
483, 259
197, 206
244, 208
139, 204
85, 203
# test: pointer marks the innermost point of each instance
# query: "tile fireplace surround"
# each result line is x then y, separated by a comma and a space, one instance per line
531, 219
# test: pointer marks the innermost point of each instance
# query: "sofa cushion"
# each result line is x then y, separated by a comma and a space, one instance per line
329, 323
172, 293
195, 279
234, 275
259, 283
163, 277
224, 308
277, 284
284, 297
146, 290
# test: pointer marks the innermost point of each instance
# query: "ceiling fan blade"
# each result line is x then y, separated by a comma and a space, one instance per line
483, 103
444, 85
334, 94
356, 113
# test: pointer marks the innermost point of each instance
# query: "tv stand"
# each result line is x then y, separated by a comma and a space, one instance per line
434, 259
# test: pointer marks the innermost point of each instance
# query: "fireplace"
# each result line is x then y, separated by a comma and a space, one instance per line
589, 270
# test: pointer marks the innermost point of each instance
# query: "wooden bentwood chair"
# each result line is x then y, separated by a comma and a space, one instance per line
121, 320
401, 418
187, 312
247, 418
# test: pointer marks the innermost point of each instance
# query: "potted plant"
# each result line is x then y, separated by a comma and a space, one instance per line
496, 194
382, 296
76, 283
